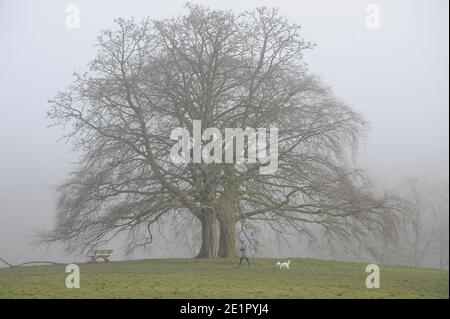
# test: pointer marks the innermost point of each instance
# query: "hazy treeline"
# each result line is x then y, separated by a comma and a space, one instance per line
421, 232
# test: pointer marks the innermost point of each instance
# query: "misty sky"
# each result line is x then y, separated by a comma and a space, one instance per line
396, 76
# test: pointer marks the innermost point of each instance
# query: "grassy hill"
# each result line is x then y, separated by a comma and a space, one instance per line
217, 278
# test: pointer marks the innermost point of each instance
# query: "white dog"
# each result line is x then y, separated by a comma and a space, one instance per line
284, 265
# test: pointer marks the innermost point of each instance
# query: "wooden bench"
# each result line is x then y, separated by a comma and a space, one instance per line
101, 253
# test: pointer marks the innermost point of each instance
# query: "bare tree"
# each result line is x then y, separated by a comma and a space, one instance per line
420, 236
229, 71
425, 237
440, 209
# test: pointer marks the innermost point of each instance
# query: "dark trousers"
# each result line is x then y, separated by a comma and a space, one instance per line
246, 258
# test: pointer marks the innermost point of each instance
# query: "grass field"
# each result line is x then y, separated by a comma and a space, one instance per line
216, 278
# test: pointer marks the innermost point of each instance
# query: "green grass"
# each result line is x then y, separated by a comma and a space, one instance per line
219, 278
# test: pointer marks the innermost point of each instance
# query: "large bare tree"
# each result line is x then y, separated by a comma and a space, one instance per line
228, 71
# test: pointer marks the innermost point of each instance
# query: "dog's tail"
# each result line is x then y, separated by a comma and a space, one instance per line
289, 262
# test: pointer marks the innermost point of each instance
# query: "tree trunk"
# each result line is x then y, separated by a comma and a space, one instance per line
227, 239
227, 216
208, 247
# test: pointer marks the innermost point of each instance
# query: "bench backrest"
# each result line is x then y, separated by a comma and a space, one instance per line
102, 252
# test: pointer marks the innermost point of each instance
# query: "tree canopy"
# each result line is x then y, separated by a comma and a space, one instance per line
227, 70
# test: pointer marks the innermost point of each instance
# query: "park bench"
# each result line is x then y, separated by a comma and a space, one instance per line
100, 253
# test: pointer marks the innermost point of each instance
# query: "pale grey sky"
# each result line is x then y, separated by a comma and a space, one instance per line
397, 76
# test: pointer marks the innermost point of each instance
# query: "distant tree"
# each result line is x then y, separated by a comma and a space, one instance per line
440, 209
425, 235
421, 228
229, 71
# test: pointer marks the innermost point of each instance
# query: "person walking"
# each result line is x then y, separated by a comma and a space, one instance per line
243, 253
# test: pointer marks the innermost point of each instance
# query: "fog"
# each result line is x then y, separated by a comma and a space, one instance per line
396, 76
